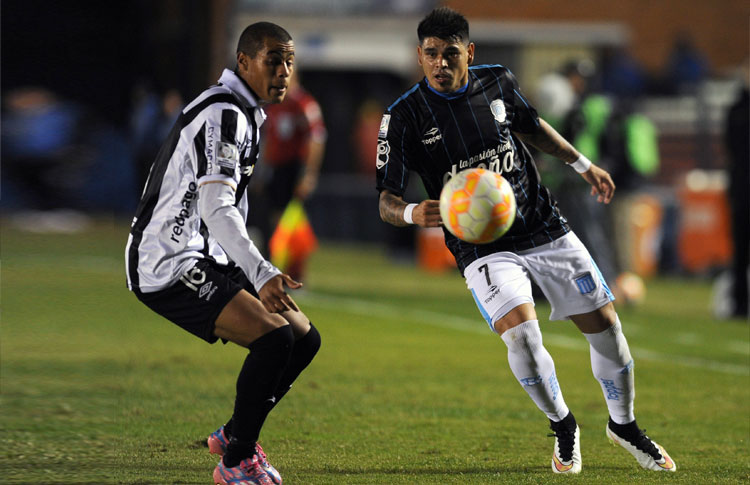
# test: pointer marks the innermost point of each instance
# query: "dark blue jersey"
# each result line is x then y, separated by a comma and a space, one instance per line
437, 135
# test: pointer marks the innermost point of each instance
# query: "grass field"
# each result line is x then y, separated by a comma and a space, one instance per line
410, 386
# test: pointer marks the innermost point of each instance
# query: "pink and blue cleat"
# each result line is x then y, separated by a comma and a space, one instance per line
248, 472
217, 445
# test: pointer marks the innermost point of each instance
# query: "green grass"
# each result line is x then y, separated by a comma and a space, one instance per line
409, 387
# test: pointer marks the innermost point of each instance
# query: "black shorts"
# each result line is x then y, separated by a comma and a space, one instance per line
197, 299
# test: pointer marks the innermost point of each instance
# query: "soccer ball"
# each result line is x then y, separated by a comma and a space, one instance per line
477, 206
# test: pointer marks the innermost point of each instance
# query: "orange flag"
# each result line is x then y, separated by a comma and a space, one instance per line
293, 240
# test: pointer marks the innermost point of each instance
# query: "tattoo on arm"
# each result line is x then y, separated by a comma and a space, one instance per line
551, 142
392, 209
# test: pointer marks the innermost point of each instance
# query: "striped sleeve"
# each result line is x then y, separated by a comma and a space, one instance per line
218, 145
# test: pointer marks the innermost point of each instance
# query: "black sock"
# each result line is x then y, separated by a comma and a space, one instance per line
228, 428
629, 431
568, 423
236, 452
302, 354
258, 379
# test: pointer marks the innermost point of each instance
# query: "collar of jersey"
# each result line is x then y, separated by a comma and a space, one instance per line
240, 88
455, 94
231, 80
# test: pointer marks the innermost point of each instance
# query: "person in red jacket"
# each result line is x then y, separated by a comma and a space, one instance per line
295, 137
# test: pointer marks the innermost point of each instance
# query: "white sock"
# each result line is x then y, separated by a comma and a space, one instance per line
533, 367
612, 366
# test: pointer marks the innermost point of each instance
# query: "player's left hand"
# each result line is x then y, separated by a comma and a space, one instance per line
601, 183
427, 214
273, 296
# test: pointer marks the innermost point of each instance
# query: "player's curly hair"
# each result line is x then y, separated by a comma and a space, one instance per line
251, 40
444, 23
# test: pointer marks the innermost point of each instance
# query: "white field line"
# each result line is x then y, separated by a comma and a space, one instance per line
370, 309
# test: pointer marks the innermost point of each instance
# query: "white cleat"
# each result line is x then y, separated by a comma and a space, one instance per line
566, 457
649, 453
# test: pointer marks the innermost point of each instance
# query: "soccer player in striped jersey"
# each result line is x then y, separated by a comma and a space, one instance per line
460, 117
189, 257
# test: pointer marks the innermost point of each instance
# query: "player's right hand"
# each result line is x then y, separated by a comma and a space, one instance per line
601, 182
427, 214
273, 296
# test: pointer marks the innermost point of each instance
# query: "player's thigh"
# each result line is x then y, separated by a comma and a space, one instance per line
568, 277
500, 286
244, 319
298, 320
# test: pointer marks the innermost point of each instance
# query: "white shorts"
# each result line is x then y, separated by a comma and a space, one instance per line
563, 269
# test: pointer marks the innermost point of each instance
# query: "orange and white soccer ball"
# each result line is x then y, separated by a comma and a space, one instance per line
477, 206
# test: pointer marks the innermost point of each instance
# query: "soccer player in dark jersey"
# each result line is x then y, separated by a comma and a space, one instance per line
189, 257
460, 117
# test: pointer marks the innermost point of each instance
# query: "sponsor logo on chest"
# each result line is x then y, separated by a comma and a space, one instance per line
431, 136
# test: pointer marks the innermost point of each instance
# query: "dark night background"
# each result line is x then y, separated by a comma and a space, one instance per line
94, 52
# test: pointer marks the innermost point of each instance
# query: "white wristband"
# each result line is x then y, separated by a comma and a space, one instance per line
581, 165
407, 213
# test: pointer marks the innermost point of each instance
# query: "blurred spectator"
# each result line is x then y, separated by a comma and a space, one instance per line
686, 67
365, 135
44, 156
738, 145
558, 92
294, 145
151, 119
580, 114
609, 131
621, 74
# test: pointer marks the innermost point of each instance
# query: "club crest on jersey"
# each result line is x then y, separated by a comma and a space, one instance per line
383, 132
227, 154
498, 110
383, 150
585, 283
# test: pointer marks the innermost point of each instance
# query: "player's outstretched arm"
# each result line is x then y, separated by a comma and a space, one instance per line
392, 207
551, 142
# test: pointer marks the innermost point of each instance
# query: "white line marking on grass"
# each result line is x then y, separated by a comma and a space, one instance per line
370, 309
739, 348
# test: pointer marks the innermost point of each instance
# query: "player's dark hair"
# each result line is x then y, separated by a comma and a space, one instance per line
252, 38
444, 23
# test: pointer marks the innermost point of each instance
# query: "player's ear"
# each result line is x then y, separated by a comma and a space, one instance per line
470, 51
242, 61
419, 54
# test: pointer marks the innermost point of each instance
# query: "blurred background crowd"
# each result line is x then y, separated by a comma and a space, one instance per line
656, 92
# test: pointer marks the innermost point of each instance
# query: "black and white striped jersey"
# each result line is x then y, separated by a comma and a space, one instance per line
437, 135
215, 139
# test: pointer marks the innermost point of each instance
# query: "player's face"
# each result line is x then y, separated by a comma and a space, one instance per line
445, 63
269, 72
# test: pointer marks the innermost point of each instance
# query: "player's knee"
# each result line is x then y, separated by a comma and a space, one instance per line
275, 345
308, 345
525, 338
